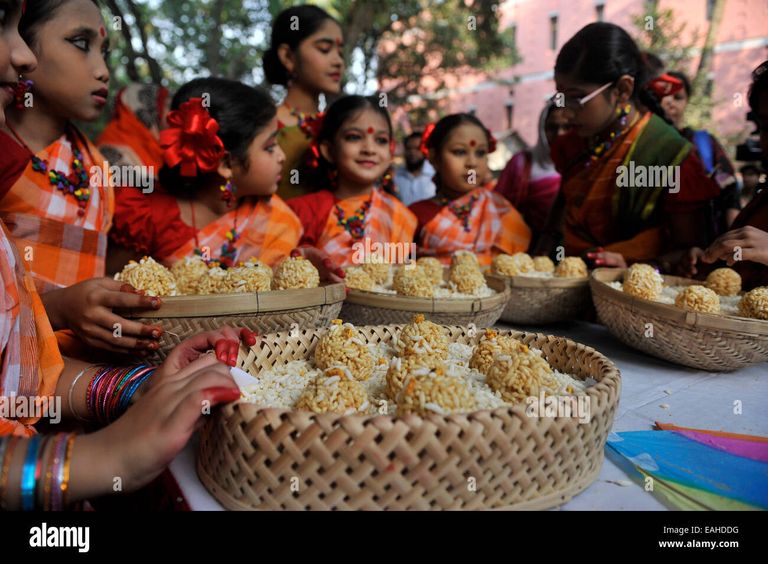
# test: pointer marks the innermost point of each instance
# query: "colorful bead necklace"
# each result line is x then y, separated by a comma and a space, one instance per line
76, 183
228, 252
306, 121
355, 224
462, 212
600, 149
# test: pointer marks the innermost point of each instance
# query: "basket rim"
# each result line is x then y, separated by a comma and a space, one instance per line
523, 282
215, 305
611, 381
433, 305
671, 313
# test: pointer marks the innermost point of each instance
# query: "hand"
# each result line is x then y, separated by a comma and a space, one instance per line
750, 241
225, 342
687, 265
141, 443
329, 270
86, 309
602, 258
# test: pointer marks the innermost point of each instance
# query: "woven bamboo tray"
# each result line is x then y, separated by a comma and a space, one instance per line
375, 308
699, 340
539, 301
251, 458
184, 316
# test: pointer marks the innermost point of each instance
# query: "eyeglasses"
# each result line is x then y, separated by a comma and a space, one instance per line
561, 101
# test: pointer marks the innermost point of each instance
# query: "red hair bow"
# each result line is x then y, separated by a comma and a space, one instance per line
665, 85
425, 139
311, 126
191, 139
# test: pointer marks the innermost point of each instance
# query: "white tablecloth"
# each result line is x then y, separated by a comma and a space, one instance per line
651, 390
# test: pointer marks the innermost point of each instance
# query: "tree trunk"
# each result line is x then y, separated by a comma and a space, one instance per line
213, 53
707, 52
154, 68
130, 67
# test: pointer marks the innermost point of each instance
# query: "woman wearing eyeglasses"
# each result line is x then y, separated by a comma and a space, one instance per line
632, 190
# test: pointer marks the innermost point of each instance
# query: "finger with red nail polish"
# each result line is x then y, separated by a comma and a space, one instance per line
222, 395
221, 350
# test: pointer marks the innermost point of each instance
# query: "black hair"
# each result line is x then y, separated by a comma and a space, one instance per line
442, 130
285, 31
37, 13
759, 85
241, 111
654, 64
750, 168
412, 135
338, 113
602, 52
684, 79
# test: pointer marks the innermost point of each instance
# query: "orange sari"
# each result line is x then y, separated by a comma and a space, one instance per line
30, 363
493, 226
60, 247
268, 230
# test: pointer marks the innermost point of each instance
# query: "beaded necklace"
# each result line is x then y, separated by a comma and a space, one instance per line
462, 212
354, 224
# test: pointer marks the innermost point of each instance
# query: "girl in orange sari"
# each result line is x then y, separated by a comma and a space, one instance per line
631, 190
56, 210
353, 152
306, 56
55, 470
221, 169
464, 214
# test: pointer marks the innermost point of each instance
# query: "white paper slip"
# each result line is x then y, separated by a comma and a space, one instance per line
242, 378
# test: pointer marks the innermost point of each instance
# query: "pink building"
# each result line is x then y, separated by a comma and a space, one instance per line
510, 101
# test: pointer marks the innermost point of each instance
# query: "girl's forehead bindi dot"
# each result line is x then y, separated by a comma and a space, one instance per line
102, 31
370, 130
472, 143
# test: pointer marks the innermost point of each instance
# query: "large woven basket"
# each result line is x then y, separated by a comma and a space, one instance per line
185, 316
539, 301
252, 458
699, 340
373, 308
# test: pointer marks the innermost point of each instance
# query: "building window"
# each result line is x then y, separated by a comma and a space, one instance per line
553, 32
710, 9
600, 12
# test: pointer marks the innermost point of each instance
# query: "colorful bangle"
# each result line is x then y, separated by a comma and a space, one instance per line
8, 452
51, 474
111, 390
45, 441
28, 474
65, 469
71, 390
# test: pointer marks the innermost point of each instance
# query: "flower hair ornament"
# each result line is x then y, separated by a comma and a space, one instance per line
191, 139
313, 128
664, 85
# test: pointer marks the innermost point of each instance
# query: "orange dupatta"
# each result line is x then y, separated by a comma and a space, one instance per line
494, 226
387, 221
30, 362
61, 248
269, 231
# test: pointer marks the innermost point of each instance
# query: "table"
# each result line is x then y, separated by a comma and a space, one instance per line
651, 390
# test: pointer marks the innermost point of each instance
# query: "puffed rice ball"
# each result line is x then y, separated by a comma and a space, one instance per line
543, 264
150, 276
435, 393
512, 265
466, 278
187, 272
642, 281
492, 344
755, 303
724, 282
334, 391
698, 298
213, 282
413, 281
415, 365
571, 267
422, 337
294, 273
358, 279
378, 271
465, 257
342, 345
520, 375
433, 269
252, 276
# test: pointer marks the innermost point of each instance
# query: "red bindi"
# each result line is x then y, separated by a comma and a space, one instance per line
102, 31
370, 130
472, 143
